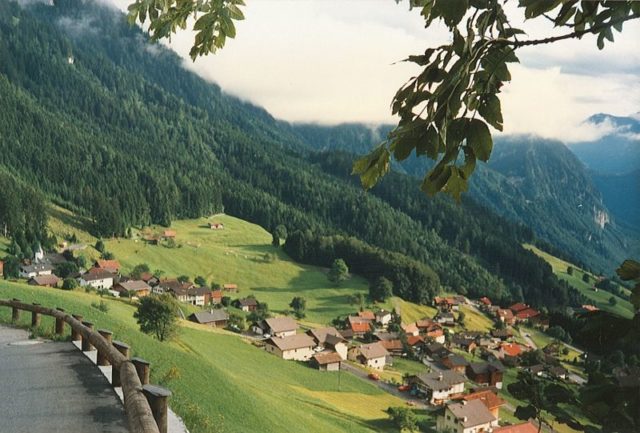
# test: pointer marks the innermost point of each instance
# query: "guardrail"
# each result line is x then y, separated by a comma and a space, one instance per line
145, 405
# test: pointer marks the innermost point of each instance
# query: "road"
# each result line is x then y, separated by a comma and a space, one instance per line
49, 387
572, 376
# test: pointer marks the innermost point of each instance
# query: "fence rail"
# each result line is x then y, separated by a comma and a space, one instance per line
145, 405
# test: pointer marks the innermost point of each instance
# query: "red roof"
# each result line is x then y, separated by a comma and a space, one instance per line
518, 307
170, 233
230, 286
488, 397
367, 315
527, 313
108, 264
525, 427
511, 349
425, 323
410, 328
435, 333
507, 314
146, 276
413, 340
217, 294
485, 300
360, 327
392, 344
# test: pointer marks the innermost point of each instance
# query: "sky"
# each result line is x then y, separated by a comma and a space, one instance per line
338, 61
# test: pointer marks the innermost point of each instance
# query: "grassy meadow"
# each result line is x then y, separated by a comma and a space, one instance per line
221, 382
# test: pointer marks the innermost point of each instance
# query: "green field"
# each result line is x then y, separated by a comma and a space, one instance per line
599, 298
222, 383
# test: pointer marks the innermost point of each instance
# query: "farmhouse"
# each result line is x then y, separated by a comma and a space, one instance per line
466, 417
44, 281
97, 278
439, 386
337, 344
247, 304
213, 318
523, 312
505, 316
415, 341
445, 318
394, 347
138, 287
172, 286
230, 288
277, 327
455, 362
525, 427
298, 347
327, 361
367, 315
29, 271
372, 355
509, 351
464, 342
320, 335
447, 304
359, 326
190, 294
489, 373
411, 329
490, 399
112, 266
436, 350
215, 297
383, 317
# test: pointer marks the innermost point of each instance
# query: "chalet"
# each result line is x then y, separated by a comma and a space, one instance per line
394, 347
490, 399
525, 427
35, 270
138, 287
372, 355
489, 373
215, 297
439, 386
358, 325
44, 281
383, 317
415, 341
436, 335
451, 303
502, 334
277, 327
213, 318
505, 316
411, 329
347, 334
230, 288
320, 335
464, 342
436, 350
247, 304
112, 266
327, 361
536, 369
189, 294
169, 234
337, 344
466, 417
98, 279
558, 372
172, 286
445, 318
523, 312
297, 347
383, 336
216, 226
367, 315
509, 351
455, 362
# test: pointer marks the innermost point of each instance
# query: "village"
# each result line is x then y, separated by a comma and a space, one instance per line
457, 375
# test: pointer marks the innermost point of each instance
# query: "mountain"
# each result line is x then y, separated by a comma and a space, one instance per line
535, 182
115, 129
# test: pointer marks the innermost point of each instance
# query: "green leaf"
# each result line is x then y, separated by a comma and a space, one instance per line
373, 166
435, 181
429, 144
479, 139
491, 111
457, 183
451, 11
403, 145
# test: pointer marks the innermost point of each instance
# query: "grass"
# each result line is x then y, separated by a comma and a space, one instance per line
600, 298
401, 366
410, 312
221, 383
476, 321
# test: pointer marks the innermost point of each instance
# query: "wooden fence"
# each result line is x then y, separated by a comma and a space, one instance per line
146, 405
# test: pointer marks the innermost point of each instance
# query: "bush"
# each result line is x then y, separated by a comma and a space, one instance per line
101, 306
69, 284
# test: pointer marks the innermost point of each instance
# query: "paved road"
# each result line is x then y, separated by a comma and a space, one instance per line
52, 387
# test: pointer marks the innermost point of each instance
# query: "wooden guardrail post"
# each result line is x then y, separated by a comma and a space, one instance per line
158, 401
35, 317
60, 323
86, 344
142, 367
102, 357
115, 371
75, 335
15, 312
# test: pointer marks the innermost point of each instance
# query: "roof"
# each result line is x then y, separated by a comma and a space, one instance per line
501, 333
511, 349
471, 413
209, 316
518, 307
321, 334
217, 294
410, 328
527, 313
507, 314
298, 341
368, 315
45, 280
425, 323
486, 367
146, 276
373, 350
455, 360
525, 427
170, 233
486, 301
357, 324
325, 358
174, 285
392, 344
108, 264
440, 380
382, 313
248, 302
230, 286
452, 300
97, 275
386, 335
282, 324
135, 285
412, 340
38, 267
490, 399
332, 340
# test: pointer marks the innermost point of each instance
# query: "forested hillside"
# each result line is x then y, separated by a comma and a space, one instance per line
114, 128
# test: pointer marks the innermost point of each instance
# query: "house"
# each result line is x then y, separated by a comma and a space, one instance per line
172, 286
431, 330
367, 315
138, 287
213, 318
490, 399
451, 303
383, 317
455, 362
97, 278
485, 302
536, 369
489, 373
525, 427
439, 386
277, 327
44, 281
466, 417
394, 347
502, 334
383, 336
112, 266
35, 270
464, 342
337, 344
523, 312
509, 351
247, 304
359, 326
436, 335
169, 234
327, 361
320, 335
190, 294
436, 350
445, 318
216, 226
230, 288
558, 372
372, 355
505, 316
415, 340
215, 297
411, 330
297, 347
